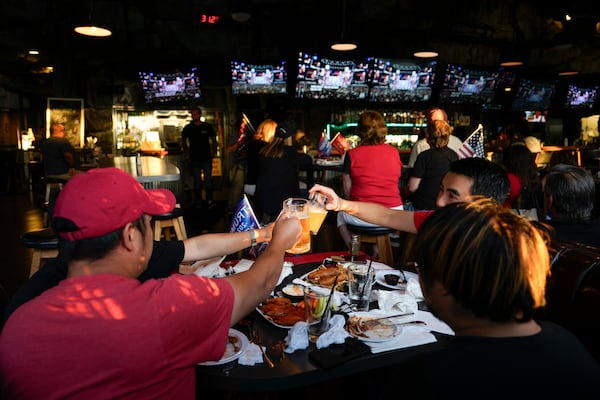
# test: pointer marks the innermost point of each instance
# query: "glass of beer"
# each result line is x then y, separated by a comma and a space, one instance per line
299, 208
317, 214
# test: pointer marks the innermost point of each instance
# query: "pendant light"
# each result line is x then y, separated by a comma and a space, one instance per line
91, 28
343, 44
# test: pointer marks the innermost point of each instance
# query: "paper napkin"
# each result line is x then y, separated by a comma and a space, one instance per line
409, 337
251, 356
395, 301
297, 337
413, 287
335, 332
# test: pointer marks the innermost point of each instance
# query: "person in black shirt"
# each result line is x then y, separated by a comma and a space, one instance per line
569, 195
198, 139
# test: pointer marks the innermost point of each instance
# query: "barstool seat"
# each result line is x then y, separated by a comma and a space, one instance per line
164, 222
378, 235
45, 245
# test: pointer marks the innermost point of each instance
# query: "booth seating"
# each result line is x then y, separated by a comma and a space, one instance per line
45, 245
376, 235
573, 292
163, 223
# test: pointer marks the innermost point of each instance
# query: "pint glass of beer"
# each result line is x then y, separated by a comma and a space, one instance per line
299, 208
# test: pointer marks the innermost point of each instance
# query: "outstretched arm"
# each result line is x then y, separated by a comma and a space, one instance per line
370, 212
211, 245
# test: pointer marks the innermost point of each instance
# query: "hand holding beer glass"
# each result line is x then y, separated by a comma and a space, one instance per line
297, 207
317, 214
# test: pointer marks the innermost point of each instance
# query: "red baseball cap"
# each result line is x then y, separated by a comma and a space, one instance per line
103, 200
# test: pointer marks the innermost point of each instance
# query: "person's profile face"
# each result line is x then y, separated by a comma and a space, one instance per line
454, 188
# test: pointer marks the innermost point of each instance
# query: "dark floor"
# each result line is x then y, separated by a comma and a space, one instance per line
20, 212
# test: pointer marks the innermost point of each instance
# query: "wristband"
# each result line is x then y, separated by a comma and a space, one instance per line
252, 237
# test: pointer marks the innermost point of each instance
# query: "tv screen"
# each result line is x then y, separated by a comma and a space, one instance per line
258, 78
468, 85
534, 95
581, 96
537, 116
400, 80
167, 87
324, 78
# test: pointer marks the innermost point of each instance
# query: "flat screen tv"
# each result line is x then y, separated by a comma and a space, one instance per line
400, 80
581, 96
537, 116
463, 84
264, 78
328, 78
534, 94
170, 87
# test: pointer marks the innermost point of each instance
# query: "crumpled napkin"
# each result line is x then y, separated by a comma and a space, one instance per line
297, 337
251, 356
395, 301
335, 332
413, 287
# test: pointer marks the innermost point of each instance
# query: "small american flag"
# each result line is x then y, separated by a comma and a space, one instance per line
473, 146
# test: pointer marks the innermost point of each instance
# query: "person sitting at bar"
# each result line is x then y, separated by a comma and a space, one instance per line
108, 334
569, 195
365, 180
486, 279
430, 167
465, 178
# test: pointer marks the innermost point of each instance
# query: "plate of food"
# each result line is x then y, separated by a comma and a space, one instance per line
396, 278
370, 328
326, 274
282, 312
236, 345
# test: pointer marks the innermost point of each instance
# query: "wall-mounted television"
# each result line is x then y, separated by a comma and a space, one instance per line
534, 94
400, 80
328, 78
581, 96
463, 84
170, 87
537, 116
265, 78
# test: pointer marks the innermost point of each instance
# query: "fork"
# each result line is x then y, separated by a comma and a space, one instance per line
254, 339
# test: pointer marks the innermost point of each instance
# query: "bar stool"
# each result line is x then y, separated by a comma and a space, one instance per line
45, 245
53, 183
378, 235
164, 222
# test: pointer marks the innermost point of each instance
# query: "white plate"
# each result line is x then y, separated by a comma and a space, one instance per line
382, 334
379, 278
230, 353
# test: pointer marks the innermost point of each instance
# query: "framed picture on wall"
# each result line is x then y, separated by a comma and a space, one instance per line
68, 112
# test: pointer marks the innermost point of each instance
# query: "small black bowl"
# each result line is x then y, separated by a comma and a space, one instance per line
391, 279
293, 292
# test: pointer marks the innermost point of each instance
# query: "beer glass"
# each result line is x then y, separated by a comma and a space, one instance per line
299, 207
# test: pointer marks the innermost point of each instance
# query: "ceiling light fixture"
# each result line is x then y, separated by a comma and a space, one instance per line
426, 54
92, 29
343, 44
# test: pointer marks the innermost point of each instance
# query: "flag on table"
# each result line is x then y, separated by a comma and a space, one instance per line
243, 220
473, 146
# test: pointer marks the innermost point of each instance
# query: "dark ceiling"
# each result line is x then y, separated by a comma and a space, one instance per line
168, 33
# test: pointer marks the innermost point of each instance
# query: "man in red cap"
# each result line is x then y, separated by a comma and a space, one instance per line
106, 334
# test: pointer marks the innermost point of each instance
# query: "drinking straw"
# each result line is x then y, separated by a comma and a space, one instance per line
329, 298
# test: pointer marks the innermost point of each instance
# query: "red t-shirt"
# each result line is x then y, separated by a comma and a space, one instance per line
375, 172
107, 336
420, 216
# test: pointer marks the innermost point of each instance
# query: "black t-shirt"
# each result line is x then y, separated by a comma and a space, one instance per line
431, 166
199, 136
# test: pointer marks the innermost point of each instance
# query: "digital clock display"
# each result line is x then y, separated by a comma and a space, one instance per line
209, 19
